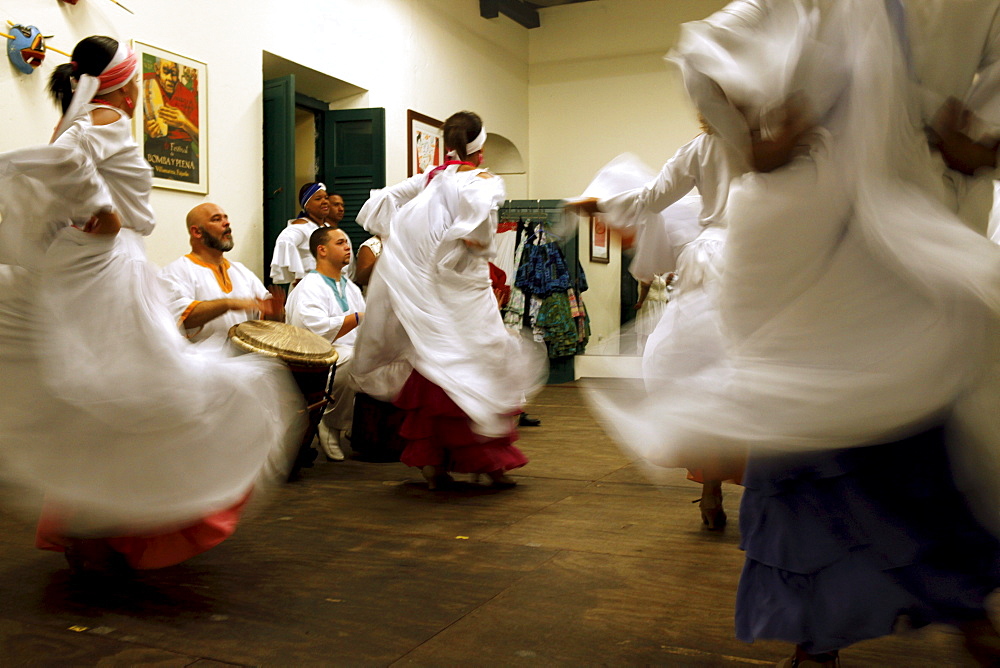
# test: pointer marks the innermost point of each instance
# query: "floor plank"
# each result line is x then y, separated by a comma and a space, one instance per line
591, 560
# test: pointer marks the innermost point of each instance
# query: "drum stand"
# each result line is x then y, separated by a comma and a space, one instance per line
306, 455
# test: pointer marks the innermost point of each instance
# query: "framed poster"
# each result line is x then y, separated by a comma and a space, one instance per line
172, 129
600, 241
425, 140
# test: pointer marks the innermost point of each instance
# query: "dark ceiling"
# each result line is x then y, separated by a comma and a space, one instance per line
552, 3
522, 11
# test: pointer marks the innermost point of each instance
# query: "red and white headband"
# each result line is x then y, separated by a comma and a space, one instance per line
118, 72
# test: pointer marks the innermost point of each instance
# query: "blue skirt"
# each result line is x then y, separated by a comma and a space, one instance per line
840, 544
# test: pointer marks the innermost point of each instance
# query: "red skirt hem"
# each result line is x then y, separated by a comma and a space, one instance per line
439, 433
149, 551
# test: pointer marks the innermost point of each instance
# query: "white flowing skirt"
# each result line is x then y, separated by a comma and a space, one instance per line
824, 342
688, 337
111, 413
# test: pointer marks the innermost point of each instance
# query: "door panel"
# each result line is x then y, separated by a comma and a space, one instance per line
353, 160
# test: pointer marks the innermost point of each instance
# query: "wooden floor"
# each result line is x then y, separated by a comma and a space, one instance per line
587, 562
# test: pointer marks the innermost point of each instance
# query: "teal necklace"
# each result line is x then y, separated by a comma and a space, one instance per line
339, 289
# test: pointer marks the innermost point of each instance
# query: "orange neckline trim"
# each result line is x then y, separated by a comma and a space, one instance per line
221, 272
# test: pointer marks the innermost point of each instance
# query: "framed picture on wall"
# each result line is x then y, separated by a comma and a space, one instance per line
600, 241
172, 125
426, 142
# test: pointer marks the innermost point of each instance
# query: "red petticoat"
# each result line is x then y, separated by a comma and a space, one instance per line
720, 468
438, 433
151, 550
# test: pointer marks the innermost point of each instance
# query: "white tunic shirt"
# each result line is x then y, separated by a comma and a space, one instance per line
313, 305
191, 281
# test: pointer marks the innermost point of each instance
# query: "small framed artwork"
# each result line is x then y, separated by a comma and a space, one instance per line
600, 241
426, 142
172, 129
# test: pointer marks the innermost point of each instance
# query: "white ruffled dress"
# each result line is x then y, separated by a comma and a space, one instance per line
108, 410
430, 304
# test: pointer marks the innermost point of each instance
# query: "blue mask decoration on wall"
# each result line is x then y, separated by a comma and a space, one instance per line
27, 49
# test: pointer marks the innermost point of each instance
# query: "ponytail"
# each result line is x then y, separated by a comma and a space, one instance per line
90, 56
459, 130
61, 85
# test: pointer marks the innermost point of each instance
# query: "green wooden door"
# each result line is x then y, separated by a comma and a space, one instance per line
353, 160
279, 161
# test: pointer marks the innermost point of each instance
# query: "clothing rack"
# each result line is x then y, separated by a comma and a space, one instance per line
550, 213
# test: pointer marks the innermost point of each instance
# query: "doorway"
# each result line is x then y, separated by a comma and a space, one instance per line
305, 140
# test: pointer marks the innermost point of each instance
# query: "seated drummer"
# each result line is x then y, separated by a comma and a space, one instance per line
328, 303
207, 293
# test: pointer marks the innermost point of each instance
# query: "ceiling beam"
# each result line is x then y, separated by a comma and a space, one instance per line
514, 9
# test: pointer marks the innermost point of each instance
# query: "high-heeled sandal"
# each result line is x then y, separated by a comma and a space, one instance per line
500, 480
436, 479
712, 515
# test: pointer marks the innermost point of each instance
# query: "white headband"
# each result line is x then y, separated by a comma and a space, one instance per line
473, 146
88, 86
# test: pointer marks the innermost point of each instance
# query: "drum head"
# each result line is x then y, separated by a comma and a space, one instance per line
286, 342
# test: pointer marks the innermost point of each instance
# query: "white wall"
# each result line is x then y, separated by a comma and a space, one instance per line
27, 117
599, 87
434, 56
587, 85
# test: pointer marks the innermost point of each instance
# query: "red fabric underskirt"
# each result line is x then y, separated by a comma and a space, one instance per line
438, 433
720, 468
151, 550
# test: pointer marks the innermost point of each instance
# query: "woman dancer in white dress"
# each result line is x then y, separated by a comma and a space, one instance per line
857, 313
433, 340
291, 260
688, 336
145, 447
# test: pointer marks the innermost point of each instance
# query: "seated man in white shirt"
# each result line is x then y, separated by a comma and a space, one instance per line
208, 293
328, 303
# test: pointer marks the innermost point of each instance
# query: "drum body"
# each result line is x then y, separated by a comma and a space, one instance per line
310, 358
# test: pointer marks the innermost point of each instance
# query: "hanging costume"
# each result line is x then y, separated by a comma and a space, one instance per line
125, 427
556, 313
433, 340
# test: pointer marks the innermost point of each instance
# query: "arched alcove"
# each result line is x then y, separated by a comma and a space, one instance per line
502, 156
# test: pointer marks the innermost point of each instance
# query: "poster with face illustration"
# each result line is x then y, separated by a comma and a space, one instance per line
171, 125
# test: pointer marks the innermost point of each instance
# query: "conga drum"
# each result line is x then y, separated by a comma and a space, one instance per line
312, 361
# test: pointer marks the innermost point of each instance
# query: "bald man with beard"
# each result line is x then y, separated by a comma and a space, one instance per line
207, 293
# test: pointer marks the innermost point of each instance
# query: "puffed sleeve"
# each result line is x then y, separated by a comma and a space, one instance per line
43, 189
382, 204
675, 180
479, 201
286, 262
